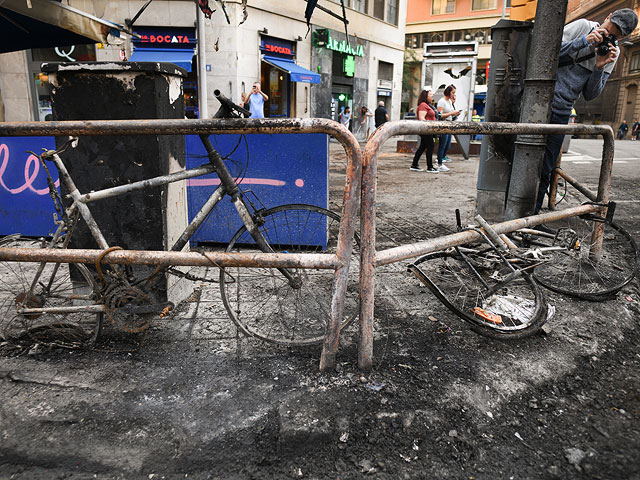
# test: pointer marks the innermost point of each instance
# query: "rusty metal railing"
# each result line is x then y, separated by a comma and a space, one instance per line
338, 262
370, 259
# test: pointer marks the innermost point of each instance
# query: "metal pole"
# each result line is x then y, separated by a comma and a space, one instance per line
203, 107
536, 107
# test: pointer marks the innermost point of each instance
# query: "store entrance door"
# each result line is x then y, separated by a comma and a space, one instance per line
341, 98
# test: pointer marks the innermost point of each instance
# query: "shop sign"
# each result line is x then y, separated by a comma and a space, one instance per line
178, 37
277, 47
384, 93
349, 66
322, 38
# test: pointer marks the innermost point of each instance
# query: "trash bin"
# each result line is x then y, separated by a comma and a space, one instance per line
151, 219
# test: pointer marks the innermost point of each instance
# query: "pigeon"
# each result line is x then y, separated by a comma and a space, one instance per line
461, 73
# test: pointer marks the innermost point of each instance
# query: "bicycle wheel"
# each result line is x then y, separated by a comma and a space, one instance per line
516, 310
570, 271
54, 287
266, 305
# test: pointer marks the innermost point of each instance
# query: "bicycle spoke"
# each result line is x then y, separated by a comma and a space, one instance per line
291, 311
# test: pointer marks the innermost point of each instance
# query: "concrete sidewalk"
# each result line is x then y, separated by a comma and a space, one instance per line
198, 400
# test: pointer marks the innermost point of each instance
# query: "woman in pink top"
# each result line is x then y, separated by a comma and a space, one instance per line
426, 113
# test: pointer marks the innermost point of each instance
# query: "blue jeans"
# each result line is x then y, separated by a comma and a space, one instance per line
443, 147
552, 150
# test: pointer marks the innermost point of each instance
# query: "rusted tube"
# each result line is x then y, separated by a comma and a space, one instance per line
67, 309
162, 258
553, 184
405, 252
289, 125
171, 127
144, 184
604, 188
344, 249
576, 184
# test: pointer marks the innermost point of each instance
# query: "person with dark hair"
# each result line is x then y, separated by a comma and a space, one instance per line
345, 117
447, 109
426, 113
588, 54
366, 122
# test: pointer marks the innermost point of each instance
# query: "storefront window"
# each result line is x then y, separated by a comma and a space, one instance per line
438, 7
634, 65
275, 83
359, 5
392, 11
378, 9
40, 81
483, 4
385, 71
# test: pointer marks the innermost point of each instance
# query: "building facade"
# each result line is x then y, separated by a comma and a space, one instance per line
447, 21
306, 71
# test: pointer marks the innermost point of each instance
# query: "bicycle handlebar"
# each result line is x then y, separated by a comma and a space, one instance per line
228, 109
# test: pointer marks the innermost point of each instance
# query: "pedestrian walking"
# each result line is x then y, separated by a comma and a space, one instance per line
588, 54
381, 115
622, 131
426, 113
635, 130
366, 122
476, 118
345, 117
255, 100
448, 112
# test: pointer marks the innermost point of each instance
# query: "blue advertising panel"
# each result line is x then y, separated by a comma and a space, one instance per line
25, 205
271, 170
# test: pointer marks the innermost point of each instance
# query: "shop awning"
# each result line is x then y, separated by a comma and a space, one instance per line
297, 73
180, 57
49, 23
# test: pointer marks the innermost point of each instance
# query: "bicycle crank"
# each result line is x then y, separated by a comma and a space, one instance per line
130, 309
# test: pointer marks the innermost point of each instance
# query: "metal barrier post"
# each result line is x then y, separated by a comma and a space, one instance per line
339, 262
370, 259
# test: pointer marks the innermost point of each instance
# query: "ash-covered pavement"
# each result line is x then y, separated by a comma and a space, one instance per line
200, 401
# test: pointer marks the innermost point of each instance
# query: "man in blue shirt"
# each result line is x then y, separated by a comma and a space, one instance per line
583, 68
256, 101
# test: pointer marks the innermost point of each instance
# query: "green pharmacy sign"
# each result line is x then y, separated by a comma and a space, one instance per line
322, 38
349, 66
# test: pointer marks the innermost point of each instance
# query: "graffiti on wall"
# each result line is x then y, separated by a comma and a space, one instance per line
25, 205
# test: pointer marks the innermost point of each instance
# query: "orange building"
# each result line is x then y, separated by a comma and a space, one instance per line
447, 21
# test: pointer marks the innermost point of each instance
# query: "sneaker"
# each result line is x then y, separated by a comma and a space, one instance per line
416, 169
446, 160
443, 168
432, 170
